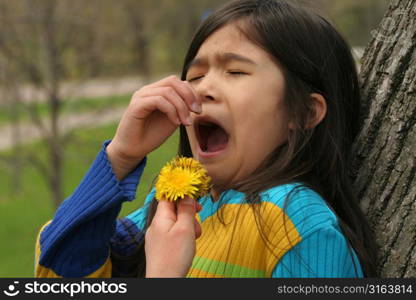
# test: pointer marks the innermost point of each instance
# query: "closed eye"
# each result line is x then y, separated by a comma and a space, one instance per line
195, 78
236, 73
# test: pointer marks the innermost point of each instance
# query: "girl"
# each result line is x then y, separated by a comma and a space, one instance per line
268, 103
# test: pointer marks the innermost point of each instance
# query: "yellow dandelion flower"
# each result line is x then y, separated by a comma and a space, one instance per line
182, 176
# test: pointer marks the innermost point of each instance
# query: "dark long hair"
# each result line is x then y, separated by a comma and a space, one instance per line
315, 59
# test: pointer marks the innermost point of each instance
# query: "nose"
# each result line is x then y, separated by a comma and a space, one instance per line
206, 88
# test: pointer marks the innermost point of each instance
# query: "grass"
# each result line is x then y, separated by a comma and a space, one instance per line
68, 106
26, 207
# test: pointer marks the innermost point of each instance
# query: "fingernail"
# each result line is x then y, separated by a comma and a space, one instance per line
196, 107
189, 120
188, 200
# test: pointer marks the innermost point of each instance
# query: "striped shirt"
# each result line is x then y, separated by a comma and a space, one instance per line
281, 236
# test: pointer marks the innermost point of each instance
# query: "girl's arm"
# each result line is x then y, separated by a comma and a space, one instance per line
83, 249
76, 242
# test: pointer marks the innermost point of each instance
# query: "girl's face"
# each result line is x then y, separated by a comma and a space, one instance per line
242, 95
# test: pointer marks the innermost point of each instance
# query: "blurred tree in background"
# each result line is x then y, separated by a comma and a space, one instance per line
114, 38
40, 40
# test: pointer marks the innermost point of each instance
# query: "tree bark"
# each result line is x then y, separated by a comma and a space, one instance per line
385, 156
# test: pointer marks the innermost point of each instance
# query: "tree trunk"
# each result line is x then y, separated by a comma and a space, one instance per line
10, 99
55, 151
136, 15
385, 156
16, 161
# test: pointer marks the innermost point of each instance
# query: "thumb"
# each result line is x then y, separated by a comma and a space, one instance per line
165, 215
186, 211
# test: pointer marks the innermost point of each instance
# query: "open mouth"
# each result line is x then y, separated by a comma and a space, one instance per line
212, 137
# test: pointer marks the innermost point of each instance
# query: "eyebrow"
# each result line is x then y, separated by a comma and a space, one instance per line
223, 58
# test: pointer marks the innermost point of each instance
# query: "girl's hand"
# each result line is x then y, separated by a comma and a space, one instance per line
154, 113
170, 239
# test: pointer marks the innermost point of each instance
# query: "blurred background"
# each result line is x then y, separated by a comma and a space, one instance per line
67, 71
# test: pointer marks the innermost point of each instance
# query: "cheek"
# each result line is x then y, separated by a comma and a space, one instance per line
262, 131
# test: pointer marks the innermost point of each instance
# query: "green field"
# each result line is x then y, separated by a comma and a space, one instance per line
26, 207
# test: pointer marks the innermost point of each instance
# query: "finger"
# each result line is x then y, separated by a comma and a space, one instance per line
170, 94
184, 89
147, 105
198, 230
196, 95
186, 211
165, 215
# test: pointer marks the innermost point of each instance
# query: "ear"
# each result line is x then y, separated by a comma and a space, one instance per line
319, 110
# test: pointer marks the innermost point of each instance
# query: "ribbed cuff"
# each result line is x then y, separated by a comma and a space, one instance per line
129, 184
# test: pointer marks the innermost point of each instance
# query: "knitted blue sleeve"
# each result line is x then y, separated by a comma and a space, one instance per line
129, 235
76, 242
